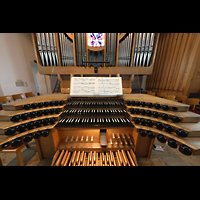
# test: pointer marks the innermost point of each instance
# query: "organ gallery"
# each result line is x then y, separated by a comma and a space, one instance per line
98, 114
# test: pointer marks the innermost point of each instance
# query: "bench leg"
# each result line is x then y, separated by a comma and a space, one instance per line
1, 164
20, 158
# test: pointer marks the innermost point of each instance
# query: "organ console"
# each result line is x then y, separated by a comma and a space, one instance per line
98, 131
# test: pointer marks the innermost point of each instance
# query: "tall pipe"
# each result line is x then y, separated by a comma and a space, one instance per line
136, 48
40, 48
146, 48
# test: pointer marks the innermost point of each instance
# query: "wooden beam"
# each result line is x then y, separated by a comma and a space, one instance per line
157, 36
131, 80
167, 60
156, 62
60, 80
101, 70
153, 60
132, 49
162, 54
86, 48
179, 59
194, 64
121, 35
174, 61
162, 62
35, 45
58, 49
70, 35
168, 76
74, 49
184, 62
177, 62
105, 50
117, 50
192, 54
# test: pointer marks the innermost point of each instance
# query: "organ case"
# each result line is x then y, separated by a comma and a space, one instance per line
99, 131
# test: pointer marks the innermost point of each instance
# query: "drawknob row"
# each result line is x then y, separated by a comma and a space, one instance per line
42, 104
155, 114
150, 105
159, 125
28, 126
25, 116
171, 142
25, 139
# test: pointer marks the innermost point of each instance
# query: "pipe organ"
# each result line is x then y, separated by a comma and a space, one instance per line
125, 50
98, 131
95, 54
142, 48
47, 49
66, 44
117, 53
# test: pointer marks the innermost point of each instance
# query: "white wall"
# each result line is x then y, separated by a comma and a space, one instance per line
16, 54
143, 82
39, 79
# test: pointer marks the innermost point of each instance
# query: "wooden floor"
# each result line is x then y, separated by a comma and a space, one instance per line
170, 157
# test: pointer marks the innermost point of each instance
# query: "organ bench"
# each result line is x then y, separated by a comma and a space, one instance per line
98, 131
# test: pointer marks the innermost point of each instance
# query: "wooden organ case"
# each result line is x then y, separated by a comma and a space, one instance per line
98, 131
114, 131
95, 131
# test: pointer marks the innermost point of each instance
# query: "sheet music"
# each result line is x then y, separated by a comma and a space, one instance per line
83, 86
96, 86
109, 86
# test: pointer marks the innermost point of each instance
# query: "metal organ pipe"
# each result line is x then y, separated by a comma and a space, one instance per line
143, 49
61, 47
124, 54
52, 49
47, 49
80, 48
135, 51
150, 48
44, 48
138, 49
66, 47
146, 48
40, 49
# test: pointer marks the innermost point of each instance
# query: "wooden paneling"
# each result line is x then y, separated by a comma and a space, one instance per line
196, 80
176, 64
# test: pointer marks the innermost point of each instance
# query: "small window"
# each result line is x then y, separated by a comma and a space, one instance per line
96, 39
